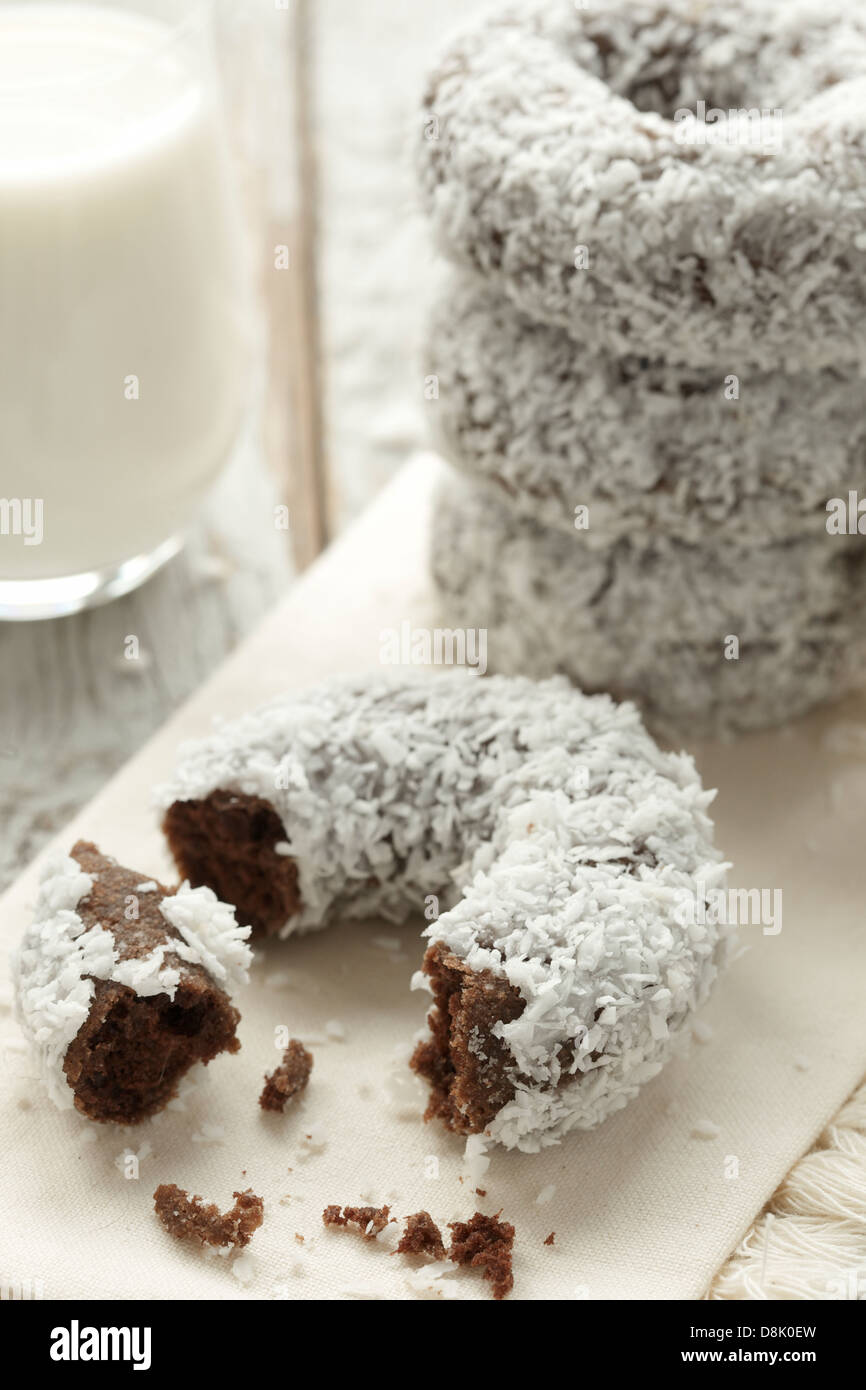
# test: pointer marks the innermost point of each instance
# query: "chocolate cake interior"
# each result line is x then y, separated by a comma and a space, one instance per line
226, 842
465, 1065
125, 1062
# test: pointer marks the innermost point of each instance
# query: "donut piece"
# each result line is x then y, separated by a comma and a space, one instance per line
190, 1218
552, 425
289, 1079
650, 618
556, 156
119, 985
558, 842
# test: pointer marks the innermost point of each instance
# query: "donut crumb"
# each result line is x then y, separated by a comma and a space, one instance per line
421, 1237
485, 1241
367, 1221
482, 1242
188, 1218
289, 1079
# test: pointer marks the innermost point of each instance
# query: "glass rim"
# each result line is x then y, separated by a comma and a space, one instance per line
197, 16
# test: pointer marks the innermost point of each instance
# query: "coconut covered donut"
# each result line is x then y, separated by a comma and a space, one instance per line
121, 984
556, 157
647, 447
563, 846
652, 618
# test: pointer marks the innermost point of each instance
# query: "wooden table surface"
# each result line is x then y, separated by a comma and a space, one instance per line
322, 94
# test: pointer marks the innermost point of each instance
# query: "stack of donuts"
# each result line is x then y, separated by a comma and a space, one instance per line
649, 352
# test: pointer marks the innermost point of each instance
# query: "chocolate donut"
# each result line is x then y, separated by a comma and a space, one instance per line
562, 152
561, 845
650, 449
652, 619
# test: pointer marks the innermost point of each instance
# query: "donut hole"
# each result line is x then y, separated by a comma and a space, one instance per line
671, 84
227, 842
664, 64
661, 72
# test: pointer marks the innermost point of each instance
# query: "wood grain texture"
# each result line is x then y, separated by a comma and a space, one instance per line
295, 342
375, 256
264, 50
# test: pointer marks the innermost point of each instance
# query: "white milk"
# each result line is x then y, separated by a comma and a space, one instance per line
118, 260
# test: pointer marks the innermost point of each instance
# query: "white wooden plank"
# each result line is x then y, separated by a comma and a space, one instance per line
375, 258
267, 74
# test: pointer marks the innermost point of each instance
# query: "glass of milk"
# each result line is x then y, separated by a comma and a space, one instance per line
124, 324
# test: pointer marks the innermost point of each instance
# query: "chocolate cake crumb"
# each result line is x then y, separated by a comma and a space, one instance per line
550, 1238
481, 1192
485, 1241
421, 1237
290, 1077
368, 1221
187, 1218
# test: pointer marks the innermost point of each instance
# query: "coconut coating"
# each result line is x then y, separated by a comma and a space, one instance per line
554, 425
559, 840
652, 618
553, 156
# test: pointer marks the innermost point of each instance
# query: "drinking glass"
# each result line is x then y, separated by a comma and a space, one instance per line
124, 307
